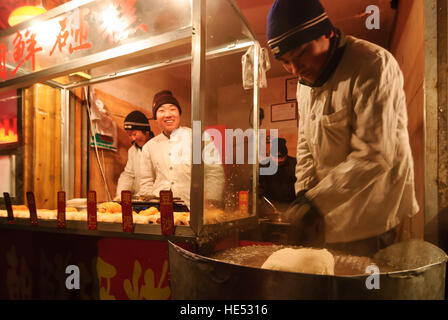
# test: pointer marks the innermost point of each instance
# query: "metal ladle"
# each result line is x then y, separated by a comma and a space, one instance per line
275, 217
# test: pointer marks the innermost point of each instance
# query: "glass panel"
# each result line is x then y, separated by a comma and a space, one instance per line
8, 118
157, 59
92, 28
227, 120
227, 123
225, 25
5, 174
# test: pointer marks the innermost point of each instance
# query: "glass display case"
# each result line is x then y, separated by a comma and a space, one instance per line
200, 43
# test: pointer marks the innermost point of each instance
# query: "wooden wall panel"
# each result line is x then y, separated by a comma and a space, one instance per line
408, 48
78, 142
42, 140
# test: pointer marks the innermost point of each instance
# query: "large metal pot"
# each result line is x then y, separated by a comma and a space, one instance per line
422, 276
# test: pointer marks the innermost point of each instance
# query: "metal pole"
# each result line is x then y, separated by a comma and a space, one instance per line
256, 129
198, 48
65, 140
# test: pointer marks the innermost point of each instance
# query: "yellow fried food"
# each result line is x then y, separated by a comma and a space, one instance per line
70, 209
154, 218
213, 215
181, 218
149, 211
109, 207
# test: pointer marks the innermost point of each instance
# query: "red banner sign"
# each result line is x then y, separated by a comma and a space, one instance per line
87, 29
32, 207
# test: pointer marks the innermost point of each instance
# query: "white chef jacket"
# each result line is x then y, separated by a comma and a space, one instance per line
353, 151
166, 165
130, 177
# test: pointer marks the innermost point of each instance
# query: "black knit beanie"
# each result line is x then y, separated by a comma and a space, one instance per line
136, 120
164, 97
292, 23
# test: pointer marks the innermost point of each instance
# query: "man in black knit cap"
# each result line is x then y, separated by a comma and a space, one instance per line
137, 127
279, 187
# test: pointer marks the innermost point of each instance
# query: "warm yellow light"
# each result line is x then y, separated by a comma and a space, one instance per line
82, 75
24, 13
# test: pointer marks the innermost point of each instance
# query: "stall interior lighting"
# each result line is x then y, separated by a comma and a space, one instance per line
114, 24
24, 13
8, 131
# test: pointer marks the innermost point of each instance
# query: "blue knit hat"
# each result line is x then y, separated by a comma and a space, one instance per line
292, 23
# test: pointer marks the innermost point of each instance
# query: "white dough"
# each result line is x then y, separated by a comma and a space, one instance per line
306, 260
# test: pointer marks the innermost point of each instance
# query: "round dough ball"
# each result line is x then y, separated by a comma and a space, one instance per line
305, 260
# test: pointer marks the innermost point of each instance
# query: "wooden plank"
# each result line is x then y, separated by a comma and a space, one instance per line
78, 143
407, 46
28, 141
47, 142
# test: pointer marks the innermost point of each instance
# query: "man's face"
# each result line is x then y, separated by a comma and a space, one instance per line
138, 137
168, 118
307, 61
279, 159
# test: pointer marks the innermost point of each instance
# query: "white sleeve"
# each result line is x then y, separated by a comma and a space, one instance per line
147, 173
126, 179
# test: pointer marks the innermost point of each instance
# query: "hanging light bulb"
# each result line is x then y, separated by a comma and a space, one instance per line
24, 13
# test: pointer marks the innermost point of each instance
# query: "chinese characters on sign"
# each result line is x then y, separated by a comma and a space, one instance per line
115, 23
75, 29
21, 44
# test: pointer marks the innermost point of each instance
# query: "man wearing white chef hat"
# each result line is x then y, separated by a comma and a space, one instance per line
355, 175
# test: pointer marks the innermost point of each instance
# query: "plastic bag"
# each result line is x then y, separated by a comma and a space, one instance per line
247, 61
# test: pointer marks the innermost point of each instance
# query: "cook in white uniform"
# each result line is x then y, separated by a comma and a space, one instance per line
167, 158
137, 127
355, 175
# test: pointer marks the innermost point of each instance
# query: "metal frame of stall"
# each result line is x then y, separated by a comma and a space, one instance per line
196, 32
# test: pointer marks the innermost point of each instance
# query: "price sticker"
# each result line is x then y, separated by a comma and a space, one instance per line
32, 207
9, 208
166, 212
243, 203
61, 209
126, 211
92, 222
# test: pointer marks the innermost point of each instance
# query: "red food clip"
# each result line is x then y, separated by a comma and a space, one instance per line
9, 208
166, 212
243, 203
32, 207
126, 211
92, 222
61, 209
